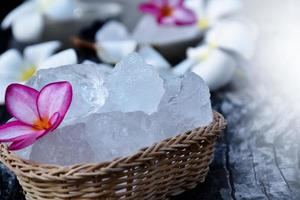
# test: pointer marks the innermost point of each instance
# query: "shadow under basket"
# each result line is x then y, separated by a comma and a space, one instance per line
167, 168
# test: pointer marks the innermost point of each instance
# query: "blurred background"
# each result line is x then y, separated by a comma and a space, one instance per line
277, 54
277, 47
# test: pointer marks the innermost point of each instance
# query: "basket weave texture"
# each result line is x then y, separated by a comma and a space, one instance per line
157, 172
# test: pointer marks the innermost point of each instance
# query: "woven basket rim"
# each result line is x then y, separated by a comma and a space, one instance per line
32, 169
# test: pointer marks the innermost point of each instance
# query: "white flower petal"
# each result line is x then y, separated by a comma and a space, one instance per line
234, 36
111, 31
36, 54
148, 31
114, 51
18, 13
29, 28
60, 10
201, 53
217, 9
217, 70
66, 57
198, 53
113, 42
152, 57
11, 63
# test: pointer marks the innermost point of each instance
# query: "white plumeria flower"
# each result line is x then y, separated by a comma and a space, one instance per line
215, 66
28, 20
216, 60
212, 11
149, 54
159, 35
237, 37
15, 68
114, 42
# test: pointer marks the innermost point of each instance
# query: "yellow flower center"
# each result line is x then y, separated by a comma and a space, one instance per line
203, 23
45, 4
204, 55
27, 73
212, 45
166, 11
42, 124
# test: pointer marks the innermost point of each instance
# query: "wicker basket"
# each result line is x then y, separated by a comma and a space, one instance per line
164, 169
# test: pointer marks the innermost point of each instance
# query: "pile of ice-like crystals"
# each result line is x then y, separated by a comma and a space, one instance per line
115, 114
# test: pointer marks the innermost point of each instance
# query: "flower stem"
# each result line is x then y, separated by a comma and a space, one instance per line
81, 43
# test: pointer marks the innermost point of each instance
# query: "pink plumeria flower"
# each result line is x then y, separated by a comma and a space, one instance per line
169, 12
36, 113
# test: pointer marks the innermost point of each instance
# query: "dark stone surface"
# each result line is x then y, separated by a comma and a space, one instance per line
9, 186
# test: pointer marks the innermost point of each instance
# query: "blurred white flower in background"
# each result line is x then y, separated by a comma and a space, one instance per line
17, 68
150, 56
113, 42
227, 39
225, 46
235, 36
210, 12
148, 32
215, 66
28, 19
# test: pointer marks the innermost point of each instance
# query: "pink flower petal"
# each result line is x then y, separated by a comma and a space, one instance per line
15, 130
20, 144
55, 121
175, 3
21, 103
169, 12
184, 16
55, 98
149, 8
159, 3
